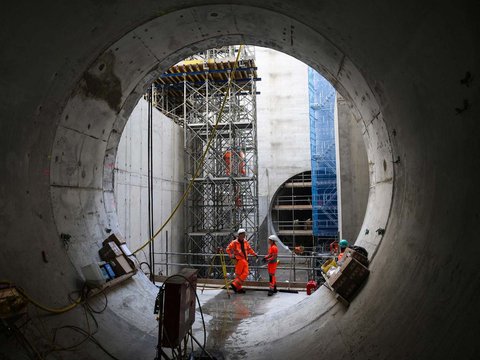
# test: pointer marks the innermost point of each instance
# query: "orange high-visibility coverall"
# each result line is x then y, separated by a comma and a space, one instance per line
234, 249
227, 157
334, 247
271, 259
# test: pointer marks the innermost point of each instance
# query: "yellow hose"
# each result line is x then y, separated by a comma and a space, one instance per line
61, 310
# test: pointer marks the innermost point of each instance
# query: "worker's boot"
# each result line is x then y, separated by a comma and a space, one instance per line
275, 288
234, 288
241, 291
270, 292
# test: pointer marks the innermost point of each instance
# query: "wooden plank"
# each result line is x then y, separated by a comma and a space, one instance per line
292, 207
300, 184
111, 284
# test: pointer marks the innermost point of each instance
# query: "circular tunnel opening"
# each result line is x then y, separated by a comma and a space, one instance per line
416, 64
270, 161
93, 119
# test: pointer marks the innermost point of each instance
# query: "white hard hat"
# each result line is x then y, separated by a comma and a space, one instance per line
273, 238
241, 231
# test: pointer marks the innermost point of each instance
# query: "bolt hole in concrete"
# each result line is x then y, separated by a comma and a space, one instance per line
82, 200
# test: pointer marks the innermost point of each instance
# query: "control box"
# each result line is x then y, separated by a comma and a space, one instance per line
179, 306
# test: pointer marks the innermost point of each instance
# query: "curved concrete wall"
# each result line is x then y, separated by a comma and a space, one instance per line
352, 167
72, 73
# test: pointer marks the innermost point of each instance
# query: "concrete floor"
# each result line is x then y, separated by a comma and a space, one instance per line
224, 316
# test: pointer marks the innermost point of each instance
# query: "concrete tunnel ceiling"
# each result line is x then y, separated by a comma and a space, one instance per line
407, 76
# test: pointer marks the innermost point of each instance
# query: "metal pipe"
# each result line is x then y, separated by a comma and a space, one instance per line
151, 229
166, 252
232, 266
326, 255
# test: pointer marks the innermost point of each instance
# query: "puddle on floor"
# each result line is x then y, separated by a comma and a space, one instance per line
226, 314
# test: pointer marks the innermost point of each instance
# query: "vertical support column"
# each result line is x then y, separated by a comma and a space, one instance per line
186, 162
254, 171
151, 230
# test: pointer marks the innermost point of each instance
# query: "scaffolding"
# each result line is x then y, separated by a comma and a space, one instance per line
224, 196
292, 212
322, 143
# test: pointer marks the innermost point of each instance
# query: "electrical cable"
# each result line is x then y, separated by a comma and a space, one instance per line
42, 330
91, 338
89, 311
61, 310
88, 333
22, 339
56, 348
202, 159
191, 341
148, 265
87, 304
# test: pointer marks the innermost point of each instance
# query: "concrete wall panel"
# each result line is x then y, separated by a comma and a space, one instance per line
131, 182
353, 170
283, 124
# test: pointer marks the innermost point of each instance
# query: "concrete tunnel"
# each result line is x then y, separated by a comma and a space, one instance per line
71, 73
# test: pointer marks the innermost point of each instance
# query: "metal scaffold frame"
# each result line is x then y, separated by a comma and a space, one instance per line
322, 142
224, 196
292, 212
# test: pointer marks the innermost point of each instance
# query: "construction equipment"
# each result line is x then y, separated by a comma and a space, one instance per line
175, 307
348, 277
221, 254
12, 303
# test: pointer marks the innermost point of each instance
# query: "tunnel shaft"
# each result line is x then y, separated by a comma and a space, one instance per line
72, 73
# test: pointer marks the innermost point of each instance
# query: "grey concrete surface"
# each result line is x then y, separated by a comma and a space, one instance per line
282, 107
352, 169
71, 73
224, 316
131, 184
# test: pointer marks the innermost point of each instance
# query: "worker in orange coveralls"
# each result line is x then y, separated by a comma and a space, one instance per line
271, 260
343, 245
239, 249
334, 248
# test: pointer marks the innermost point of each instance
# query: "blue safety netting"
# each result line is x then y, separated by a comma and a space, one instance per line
322, 146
